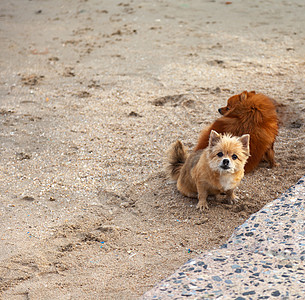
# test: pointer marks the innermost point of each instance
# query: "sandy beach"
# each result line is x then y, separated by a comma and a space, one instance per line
92, 95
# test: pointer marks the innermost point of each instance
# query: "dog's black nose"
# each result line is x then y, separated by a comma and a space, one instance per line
225, 162
219, 110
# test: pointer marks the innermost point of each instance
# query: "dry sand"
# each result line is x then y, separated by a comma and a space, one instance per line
92, 95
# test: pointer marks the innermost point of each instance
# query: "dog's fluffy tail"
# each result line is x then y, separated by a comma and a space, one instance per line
176, 157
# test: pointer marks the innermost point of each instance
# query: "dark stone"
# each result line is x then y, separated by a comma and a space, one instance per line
276, 293
248, 293
219, 259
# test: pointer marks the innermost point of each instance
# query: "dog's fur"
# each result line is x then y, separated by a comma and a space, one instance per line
216, 169
248, 113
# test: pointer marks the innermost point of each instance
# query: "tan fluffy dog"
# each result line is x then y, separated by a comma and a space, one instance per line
216, 169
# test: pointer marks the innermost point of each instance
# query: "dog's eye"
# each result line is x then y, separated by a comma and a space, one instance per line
228, 108
234, 156
219, 154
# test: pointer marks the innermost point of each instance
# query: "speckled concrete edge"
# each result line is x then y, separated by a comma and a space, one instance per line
263, 259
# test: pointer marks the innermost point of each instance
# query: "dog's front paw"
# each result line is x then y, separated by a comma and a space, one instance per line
202, 205
232, 200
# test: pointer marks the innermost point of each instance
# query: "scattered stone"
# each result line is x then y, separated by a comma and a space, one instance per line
22, 156
134, 114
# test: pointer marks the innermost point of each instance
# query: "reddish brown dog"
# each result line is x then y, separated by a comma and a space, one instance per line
250, 113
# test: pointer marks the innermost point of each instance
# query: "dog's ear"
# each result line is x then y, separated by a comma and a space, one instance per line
245, 140
214, 138
252, 93
243, 96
